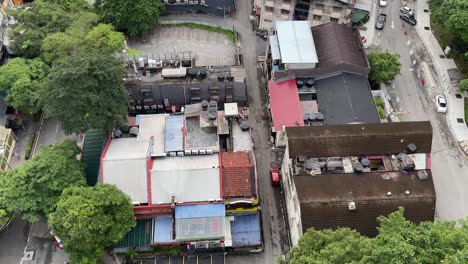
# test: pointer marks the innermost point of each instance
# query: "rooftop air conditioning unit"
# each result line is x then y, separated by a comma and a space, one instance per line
209, 151
172, 154
195, 152
202, 152
352, 206
180, 154
188, 152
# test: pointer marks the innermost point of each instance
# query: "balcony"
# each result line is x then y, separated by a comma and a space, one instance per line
269, 3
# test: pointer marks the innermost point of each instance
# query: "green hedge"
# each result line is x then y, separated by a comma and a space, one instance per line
466, 110
228, 33
29, 147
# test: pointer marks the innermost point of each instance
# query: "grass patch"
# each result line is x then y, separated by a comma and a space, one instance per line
135, 52
466, 110
228, 33
27, 153
379, 102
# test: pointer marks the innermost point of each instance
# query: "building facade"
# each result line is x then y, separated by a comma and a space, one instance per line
316, 12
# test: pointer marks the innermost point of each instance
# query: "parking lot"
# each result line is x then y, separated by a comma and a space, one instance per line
209, 48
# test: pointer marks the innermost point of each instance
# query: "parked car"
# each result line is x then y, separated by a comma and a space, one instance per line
441, 104
379, 24
409, 19
406, 10
57, 240
383, 3
275, 176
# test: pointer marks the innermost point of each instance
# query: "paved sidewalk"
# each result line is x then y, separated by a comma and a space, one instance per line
369, 33
455, 110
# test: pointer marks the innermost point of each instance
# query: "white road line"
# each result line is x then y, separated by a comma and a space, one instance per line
408, 42
378, 34
393, 26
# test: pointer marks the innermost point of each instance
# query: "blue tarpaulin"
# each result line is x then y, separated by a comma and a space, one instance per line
245, 231
199, 210
163, 229
173, 135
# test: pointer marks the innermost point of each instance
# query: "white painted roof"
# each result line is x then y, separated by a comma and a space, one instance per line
153, 126
230, 109
274, 47
296, 42
189, 179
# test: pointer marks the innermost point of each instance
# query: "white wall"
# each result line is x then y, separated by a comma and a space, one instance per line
292, 201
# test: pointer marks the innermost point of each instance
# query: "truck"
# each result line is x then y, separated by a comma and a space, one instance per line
379, 24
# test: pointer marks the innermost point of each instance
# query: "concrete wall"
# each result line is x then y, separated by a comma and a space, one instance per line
291, 200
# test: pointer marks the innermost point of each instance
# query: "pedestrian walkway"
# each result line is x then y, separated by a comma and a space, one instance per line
368, 34
455, 101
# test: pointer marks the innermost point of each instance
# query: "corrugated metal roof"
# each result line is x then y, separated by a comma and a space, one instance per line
93, 145
237, 177
199, 210
358, 139
285, 106
188, 178
174, 135
152, 126
324, 199
163, 229
200, 222
338, 44
365, 5
274, 47
296, 42
140, 235
245, 231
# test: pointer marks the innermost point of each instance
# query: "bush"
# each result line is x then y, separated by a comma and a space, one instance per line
379, 102
463, 85
27, 153
466, 110
381, 112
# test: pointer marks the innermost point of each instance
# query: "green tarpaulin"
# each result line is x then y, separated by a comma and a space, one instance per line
359, 15
93, 145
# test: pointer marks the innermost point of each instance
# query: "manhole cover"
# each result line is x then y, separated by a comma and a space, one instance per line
442, 56
459, 96
460, 120
427, 28
28, 255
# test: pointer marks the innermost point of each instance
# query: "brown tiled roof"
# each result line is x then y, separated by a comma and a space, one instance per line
237, 174
324, 200
358, 139
338, 44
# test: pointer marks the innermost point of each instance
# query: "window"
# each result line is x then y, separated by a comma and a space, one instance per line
146, 92
319, 6
337, 9
284, 12
269, 9
317, 17
333, 19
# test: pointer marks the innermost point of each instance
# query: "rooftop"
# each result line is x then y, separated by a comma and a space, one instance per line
338, 44
296, 43
238, 179
359, 139
188, 179
346, 98
285, 105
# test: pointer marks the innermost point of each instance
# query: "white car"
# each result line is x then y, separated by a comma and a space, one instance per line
383, 3
441, 104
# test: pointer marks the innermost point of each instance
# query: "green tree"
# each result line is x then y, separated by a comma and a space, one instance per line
399, 242
22, 80
453, 14
72, 5
89, 219
131, 17
463, 85
343, 245
384, 66
86, 90
34, 22
34, 188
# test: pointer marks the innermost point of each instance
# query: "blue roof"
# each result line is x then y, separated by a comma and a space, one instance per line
245, 231
173, 135
199, 210
163, 229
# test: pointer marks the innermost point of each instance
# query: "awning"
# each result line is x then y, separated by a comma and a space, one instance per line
274, 47
245, 231
359, 15
163, 229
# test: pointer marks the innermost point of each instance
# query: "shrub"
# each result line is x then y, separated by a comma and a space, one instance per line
27, 153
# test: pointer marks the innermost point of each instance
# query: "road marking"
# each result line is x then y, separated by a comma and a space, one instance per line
393, 26
378, 34
408, 42
411, 52
411, 69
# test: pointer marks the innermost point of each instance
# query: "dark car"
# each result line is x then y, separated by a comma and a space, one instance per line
379, 24
408, 18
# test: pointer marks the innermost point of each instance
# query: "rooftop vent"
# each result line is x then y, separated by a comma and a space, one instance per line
365, 162
385, 176
212, 114
299, 84
358, 167
319, 116
310, 165
310, 83
134, 131
117, 133
204, 105
352, 206
244, 125
411, 148
422, 175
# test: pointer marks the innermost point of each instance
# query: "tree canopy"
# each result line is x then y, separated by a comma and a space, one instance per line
22, 80
86, 90
398, 242
463, 85
131, 17
38, 19
34, 188
384, 66
453, 13
104, 210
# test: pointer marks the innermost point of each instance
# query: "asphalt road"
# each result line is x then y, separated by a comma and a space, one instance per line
416, 103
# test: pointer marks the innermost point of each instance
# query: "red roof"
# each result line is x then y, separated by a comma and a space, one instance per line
236, 169
285, 105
